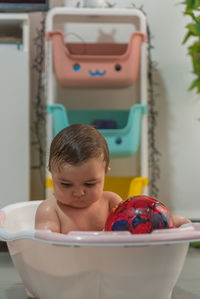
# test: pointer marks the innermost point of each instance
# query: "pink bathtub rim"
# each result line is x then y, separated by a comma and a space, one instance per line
185, 234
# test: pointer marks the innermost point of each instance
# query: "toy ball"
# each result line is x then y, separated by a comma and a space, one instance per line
139, 215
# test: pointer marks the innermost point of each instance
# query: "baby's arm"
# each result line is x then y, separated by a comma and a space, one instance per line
179, 220
46, 217
114, 200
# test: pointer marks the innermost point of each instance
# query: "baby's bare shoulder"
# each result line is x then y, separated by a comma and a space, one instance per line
46, 216
47, 205
110, 194
113, 199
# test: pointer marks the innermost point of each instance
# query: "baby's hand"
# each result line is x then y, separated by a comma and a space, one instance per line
179, 220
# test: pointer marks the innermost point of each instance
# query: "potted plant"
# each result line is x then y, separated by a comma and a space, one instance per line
192, 9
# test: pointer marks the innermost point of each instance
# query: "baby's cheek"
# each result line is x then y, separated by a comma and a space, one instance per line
62, 197
95, 195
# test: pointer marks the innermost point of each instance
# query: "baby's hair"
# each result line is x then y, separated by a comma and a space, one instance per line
76, 144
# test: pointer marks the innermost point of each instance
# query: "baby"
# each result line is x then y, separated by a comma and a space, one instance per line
78, 162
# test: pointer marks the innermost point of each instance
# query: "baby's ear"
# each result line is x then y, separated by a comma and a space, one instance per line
108, 170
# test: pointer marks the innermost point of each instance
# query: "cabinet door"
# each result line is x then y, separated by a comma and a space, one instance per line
14, 124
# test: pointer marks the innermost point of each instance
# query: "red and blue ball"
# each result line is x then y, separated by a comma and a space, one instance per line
139, 215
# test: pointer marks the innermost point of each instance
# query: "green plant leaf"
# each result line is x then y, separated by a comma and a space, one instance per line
194, 52
196, 66
195, 47
192, 9
195, 56
192, 4
187, 36
194, 29
195, 84
194, 17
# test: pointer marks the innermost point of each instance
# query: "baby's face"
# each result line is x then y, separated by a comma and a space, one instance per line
81, 185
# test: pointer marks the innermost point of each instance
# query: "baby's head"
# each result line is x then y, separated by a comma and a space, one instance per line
76, 144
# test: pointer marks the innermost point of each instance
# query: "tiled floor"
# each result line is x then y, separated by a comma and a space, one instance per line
188, 285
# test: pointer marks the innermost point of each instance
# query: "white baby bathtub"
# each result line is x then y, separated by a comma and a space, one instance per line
96, 265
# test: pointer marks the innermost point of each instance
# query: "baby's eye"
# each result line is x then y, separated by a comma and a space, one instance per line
66, 185
90, 184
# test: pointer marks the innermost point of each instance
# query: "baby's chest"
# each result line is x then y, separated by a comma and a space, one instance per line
95, 221
88, 220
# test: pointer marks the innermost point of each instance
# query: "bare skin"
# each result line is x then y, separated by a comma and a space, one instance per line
179, 220
79, 202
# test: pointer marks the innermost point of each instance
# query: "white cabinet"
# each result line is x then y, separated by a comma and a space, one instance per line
14, 108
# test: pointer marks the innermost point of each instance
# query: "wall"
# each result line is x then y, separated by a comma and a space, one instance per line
178, 130
178, 126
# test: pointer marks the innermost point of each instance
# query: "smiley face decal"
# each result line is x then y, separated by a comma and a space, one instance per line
77, 68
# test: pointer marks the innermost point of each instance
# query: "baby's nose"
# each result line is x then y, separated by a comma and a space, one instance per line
78, 192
